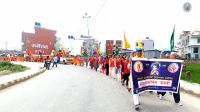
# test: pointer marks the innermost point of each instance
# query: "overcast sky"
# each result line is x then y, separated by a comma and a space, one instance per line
138, 18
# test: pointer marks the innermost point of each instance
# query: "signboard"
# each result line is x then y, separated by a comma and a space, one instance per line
40, 46
39, 43
156, 75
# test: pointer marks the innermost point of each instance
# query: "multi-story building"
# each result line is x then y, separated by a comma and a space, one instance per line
114, 45
152, 53
189, 45
147, 43
109, 47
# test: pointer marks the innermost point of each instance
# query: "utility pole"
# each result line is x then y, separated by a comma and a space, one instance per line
87, 18
88, 32
6, 45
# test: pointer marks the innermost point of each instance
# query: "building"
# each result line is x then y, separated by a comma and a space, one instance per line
189, 45
41, 42
109, 47
147, 43
125, 51
90, 45
114, 45
117, 46
71, 46
152, 53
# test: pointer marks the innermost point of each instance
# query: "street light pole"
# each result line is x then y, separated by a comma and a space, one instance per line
87, 18
89, 38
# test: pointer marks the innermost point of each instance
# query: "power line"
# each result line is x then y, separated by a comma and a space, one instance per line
98, 12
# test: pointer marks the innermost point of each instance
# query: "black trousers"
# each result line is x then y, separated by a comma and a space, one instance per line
107, 69
162, 93
177, 96
126, 78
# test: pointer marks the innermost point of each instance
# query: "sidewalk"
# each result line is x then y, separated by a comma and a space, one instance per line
191, 88
11, 79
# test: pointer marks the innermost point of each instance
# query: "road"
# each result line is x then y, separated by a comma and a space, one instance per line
71, 88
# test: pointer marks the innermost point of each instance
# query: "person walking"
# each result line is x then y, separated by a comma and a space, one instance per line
91, 60
112, 66
176, 95
139, 54
107, 65
100, 64
96, 63
55, 60
161, 94
118, 67
122, 59
126, 71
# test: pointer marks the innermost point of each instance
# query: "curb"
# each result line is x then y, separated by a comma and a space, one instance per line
16, 81
190, 92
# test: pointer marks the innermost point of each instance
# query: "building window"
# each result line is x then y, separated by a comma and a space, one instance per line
188, 40
196, 56
195, 50
153, 44
198, 40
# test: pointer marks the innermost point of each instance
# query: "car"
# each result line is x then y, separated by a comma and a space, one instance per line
69, 60
66, 60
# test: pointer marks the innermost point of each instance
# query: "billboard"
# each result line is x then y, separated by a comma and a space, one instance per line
40, 43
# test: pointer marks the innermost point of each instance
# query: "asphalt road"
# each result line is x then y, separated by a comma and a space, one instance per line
71, 88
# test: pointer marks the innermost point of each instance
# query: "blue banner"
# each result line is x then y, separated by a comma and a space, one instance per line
156, 75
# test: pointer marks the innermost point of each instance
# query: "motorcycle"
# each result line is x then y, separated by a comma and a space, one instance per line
47, 64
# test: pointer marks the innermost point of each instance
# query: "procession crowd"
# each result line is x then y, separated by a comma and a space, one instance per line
119, 68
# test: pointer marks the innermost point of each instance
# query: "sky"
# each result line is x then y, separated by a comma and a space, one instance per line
109, 19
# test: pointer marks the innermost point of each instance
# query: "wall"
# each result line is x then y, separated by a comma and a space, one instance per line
152, 53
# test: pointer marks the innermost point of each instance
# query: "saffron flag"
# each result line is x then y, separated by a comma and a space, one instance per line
127, 45
98, 50
139, 44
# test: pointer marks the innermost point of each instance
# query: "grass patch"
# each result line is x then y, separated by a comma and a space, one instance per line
7, 68
194, 68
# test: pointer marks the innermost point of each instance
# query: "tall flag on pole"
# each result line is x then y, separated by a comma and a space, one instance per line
140, 47
139, 44
98, 50
127, 45
172, 40
117, 51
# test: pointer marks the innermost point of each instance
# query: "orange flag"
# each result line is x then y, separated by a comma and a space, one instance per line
126, 43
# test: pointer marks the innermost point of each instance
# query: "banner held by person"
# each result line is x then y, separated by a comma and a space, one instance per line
156, 75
